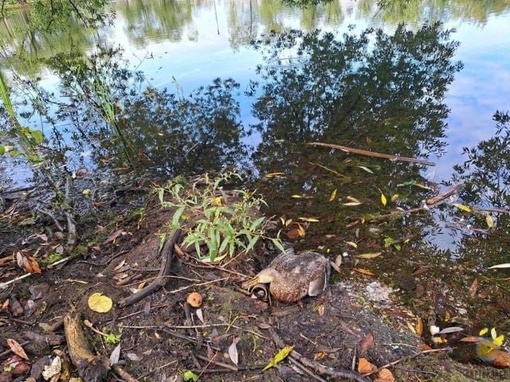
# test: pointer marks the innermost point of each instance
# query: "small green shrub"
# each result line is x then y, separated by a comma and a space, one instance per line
224, 221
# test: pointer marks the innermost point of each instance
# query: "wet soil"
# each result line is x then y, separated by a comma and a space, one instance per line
160, 342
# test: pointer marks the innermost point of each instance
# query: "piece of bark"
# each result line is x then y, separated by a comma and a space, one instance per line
91, 367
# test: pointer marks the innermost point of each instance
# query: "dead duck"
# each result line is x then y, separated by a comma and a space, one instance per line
292, 277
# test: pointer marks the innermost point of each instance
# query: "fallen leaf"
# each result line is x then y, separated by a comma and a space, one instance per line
383, 200
369, 255
279, 357
115, 355
100, 303
365, 367
366, 343
352, 199
352, 244
489, 220
366, 169
274, 174
113, 236
351, 204
505, 265
333, 195
393, 198
310, 220
419, 326
462, 207
385, 375
53, 369
473, 288
363, 271
232, 350
16, 348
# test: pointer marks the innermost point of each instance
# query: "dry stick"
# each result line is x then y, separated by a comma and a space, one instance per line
408, 358
317, 367
373, 154
167, 254
123, 374
218, 363
439, 198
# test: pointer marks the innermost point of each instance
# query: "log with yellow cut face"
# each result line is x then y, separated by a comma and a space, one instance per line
293, 276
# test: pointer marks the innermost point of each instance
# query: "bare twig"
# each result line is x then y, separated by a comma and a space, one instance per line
408, 358
167, 255
317, 367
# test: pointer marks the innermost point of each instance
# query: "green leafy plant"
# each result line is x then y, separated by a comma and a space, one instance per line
223, 221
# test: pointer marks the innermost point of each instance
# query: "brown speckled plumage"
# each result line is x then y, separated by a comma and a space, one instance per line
292, 277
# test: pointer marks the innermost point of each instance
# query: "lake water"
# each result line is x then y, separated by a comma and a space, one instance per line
214, 42
182, 45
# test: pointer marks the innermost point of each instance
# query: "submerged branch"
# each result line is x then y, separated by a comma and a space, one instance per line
373, 154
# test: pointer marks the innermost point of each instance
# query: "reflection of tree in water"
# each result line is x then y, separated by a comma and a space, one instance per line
149, 129
376, 91
188, 135
486, 171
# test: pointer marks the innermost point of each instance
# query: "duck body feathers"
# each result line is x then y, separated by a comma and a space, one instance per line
293, 276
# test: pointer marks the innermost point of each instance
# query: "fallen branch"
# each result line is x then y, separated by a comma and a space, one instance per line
439, 198
90, 366
317, 367
390, 364
167, 255
373, 154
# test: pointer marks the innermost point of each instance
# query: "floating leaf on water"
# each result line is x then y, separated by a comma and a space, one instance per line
504, 265
489, 220
462, 207
484, 331
279, 357
369, 255
274, 175
100, 303
383, 200
451, 329
309, 220
366, 169
333, 195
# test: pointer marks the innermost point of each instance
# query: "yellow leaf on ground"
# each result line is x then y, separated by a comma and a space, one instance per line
279, 357
369, 255
333, 195
383, 199
100, 303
